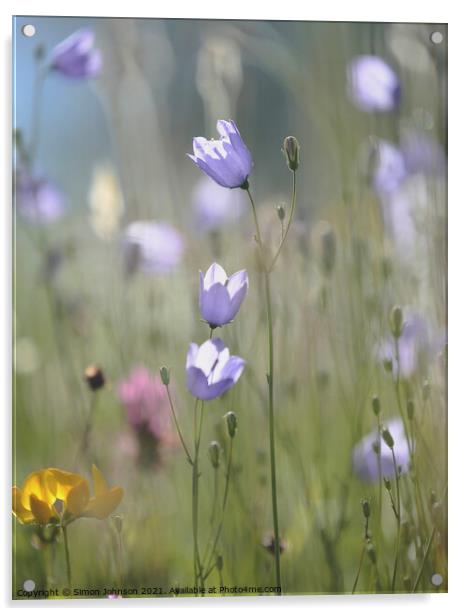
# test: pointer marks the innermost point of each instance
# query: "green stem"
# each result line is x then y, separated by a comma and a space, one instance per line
84, 445
67, 555
289, 222
425, 556
177, 426
209, 566
398, 517
362, 555
198, 570
270, 378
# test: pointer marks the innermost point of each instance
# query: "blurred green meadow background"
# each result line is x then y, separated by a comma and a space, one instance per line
115, 146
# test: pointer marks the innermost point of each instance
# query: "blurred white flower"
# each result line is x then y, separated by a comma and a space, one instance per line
105, 202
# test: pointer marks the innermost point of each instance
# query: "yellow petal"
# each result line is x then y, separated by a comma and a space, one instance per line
100, 484
103, 505
42, 511
42, 485
65, 482
77, 498
23, 515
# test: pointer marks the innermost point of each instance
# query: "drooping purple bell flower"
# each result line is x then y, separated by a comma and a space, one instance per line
152, 247
226, 160
215, 208
211, 370
372, 84
220, 297
365, 456
37, 199
76, 57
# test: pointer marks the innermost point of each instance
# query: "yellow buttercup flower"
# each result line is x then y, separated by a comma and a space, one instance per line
54, 495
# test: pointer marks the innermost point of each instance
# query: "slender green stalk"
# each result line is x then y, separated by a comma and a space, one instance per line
214, 500
270, 378
198, 569
67, 555
177, 426
289, 222
84, 445
362, 556
208, 563
380, 480
425, 556
398, 518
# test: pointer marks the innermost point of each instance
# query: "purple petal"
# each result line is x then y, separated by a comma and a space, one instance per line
233, 368
216, 305
215, 273
208, 354
191, 355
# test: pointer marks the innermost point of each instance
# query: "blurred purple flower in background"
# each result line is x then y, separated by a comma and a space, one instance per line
419, 345
76, 56
147, 407
226, 160
372, 84
215, 207
365, 458
152, 247
422, 153
418, 153
211, 370
220, 297
389, 167
37, 199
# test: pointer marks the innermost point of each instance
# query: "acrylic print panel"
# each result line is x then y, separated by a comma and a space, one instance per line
230, 366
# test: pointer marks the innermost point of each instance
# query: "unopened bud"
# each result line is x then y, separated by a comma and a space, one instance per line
214, 451
387, 484
165, 375
376, 405
291, 149
387, 438
396, 321
231, 421
366, 508
280, 212
94, 377
219, 562
376, 446
410, 409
